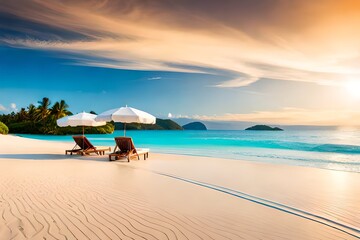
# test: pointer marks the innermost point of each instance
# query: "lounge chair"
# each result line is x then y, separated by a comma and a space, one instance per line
83, 146
125, 148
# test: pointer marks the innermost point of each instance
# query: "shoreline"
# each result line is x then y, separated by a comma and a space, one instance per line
171, 184
255, 160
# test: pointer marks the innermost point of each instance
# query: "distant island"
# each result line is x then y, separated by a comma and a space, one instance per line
264, 128
194, 126
161, 124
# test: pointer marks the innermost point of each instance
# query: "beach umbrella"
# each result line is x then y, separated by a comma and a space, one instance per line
126, 115
81, 119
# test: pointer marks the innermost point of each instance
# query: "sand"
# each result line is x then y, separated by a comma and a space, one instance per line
47, 195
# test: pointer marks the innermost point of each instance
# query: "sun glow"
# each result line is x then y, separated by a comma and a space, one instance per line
353, 88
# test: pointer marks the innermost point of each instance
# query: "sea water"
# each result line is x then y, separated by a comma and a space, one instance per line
330, 149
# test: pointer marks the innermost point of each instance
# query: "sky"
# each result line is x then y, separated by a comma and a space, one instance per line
288, 62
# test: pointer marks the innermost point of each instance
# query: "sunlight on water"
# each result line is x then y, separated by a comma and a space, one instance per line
339, 150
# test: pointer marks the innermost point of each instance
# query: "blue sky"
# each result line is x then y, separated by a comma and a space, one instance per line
185, 58
28, 75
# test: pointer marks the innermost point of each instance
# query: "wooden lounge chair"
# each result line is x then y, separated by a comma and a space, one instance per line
125, 148
83, 146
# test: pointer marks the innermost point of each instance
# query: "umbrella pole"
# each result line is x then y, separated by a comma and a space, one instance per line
83, 139
124, 129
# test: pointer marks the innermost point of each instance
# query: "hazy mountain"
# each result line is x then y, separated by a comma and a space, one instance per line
238, 125
194, 126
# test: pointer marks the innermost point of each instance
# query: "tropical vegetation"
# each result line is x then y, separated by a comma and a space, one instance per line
3, 128
161, 124
41, 119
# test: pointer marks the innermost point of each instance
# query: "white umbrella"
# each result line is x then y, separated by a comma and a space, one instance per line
81, 119
126, 115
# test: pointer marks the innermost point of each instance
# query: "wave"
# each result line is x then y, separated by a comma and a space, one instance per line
289, 145
337, 148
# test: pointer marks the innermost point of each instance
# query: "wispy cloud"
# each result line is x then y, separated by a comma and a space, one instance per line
2, 108
183, 116
297, 41
13, 107
154, 78
237, 82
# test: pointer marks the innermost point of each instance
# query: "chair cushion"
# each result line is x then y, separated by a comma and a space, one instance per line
142, 150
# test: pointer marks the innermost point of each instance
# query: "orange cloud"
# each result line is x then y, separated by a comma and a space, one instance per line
287, 40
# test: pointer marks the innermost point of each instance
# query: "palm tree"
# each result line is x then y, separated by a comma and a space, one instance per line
43, 109
59, 110
22, 115
31, 112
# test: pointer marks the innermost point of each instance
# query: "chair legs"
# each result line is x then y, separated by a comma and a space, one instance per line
117, 156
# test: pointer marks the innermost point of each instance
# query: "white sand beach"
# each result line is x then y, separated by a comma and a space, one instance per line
45, 194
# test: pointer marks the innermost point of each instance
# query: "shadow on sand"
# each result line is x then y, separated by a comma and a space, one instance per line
41, 157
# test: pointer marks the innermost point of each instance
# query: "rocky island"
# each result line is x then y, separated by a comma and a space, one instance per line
264, 128
194, 126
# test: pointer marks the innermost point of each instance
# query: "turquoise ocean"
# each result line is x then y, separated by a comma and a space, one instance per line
329, 149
